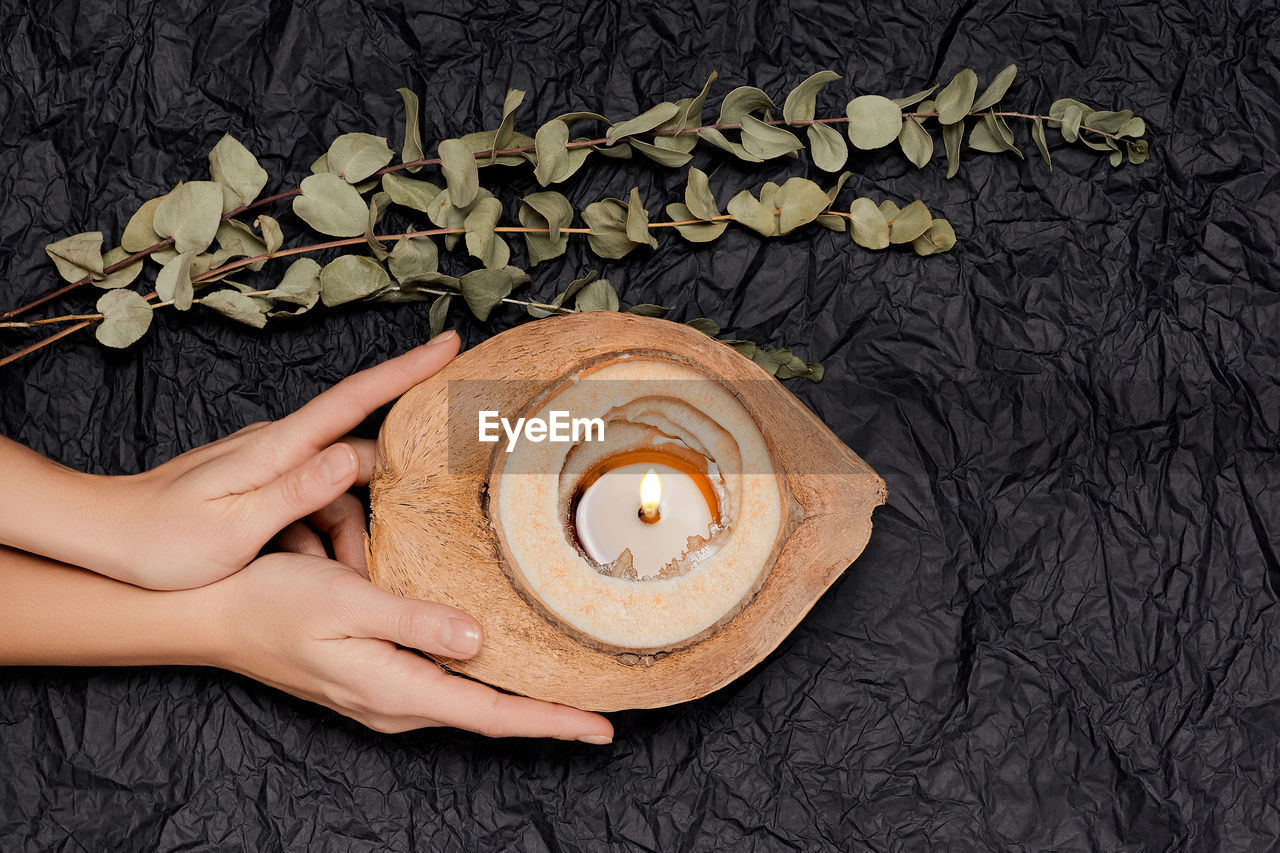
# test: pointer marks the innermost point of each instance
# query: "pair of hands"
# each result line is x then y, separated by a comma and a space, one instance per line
296, 620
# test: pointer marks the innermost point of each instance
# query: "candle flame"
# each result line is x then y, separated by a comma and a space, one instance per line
650, 495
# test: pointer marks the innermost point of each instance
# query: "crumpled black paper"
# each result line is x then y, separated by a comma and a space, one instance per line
1063, 634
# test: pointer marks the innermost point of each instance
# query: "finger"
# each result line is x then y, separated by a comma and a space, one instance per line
424, 625
297, 538
310, 487
344, 522
465, 704
329, 416
366, 449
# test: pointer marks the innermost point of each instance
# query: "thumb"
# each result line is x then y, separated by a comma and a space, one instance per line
310, 487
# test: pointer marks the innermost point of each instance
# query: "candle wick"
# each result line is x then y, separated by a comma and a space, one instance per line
649, 517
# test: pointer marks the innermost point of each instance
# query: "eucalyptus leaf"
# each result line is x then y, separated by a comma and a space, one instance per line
351, 277
698, 196
598, 295
874, 121
799, 202
411, 148
889, 208
938, 237
801, 104
637, 225
461, 175
952, 137
1138, 151
140, 234
444, 214
300, 285
1071, 120
741, 102
173, 282
238, 240
607, 220
993, 93
414, 259
767, 141
553, 156
1109, 121
662, 156
828, 148
506, 129
407, 192
912, 221
982, 138
690, 114
747, 210
78, 256
704, 325
121, 277
912, 100
699, 232
1037, 135
646, 121
190, 215
438, 314
484, 146
648, 309
237, 306
126, 316
233, 167
955, 101
377, 207
484, 290
549, 210
916, 142
1132, 128
867, 224
331, 206
355, 156
718, 139
482, 243
272, 235
568, 293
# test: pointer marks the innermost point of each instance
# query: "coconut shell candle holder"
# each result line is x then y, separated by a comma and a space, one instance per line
652, 556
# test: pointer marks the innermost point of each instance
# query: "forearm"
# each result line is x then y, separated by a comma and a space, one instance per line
52, 614
50, 509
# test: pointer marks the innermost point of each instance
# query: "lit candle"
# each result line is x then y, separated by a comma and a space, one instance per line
648, 503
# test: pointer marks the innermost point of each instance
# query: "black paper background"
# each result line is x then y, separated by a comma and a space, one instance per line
1063, 634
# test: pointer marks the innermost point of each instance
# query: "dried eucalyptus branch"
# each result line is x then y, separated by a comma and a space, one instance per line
177, 229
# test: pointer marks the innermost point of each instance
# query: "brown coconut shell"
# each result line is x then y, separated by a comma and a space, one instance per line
430, 536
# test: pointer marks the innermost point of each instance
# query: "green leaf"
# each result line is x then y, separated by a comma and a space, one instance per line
482, 243
506, 129
238, 241
484, 290
993, 93
1138, 151
331, 206
1071, 120
377, 207
126, 318
698, 197
916, 142
483, 144
597, 295
912, 100
690, 114
700, 232
981, 138
956, 100
912, 221
648, 309
438, 314
300, 285
638, 221
140, 233
767, 141
350, 277
607, 220
553, 156
77, 256
121, 277
568, 293
868, 225
747, 210
745, 348
237, 306
889, 209
549, 210
1037, 135
190, 215
952, 137
741, 102
272, 235
827, 147
801, 104
233, 167
662, 156
938, 238
704, 325
444, 214
1058, 109
1110, 121
874, 121
1132, 128
799, 203
718, 139
646, 121
407, 192
414, 259
173, 282
461, 175
355, 156
411, 149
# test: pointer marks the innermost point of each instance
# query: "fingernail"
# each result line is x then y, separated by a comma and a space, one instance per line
442, 338
461, 637
598, 740
336, 464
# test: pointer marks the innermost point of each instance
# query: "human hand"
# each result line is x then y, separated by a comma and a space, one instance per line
320, 631
212, 509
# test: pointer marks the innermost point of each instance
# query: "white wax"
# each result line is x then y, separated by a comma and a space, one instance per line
608, 518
